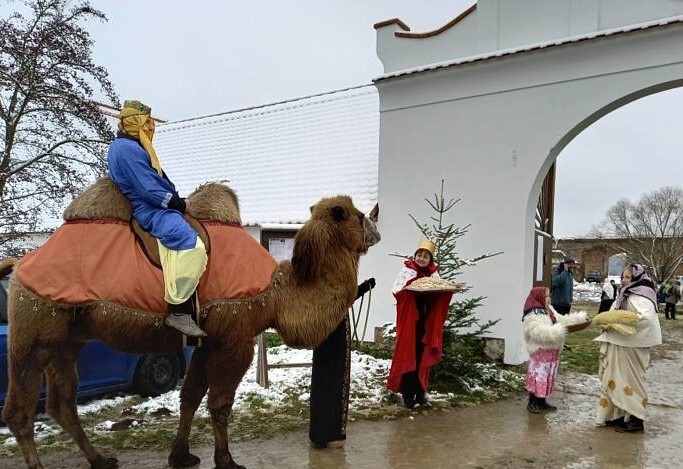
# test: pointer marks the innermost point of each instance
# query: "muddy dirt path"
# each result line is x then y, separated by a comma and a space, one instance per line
497, 435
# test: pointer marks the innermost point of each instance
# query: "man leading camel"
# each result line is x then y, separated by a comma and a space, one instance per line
134, 167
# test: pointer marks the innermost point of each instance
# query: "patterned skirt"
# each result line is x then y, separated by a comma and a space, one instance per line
540, 377
622, 374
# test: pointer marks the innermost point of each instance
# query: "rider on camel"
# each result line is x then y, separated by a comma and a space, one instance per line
134, 167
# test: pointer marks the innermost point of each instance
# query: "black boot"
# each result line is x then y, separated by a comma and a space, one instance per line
421, 399
533, 405
634, 425
409, 401
616, 422
545, 406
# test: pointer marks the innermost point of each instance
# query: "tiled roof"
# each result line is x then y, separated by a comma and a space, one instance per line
281, 158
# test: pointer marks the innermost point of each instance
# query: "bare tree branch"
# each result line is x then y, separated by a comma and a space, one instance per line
52, 134
650, 230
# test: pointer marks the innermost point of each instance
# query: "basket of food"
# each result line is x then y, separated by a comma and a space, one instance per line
578, 327
435, 285
621, 321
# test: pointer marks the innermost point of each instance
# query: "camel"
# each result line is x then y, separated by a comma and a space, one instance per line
306, 299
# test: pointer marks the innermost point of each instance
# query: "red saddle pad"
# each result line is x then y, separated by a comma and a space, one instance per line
100, 260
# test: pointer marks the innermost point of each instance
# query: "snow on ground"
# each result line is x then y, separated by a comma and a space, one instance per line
368, 376
41, 429
368, 390
587, 292
100, 404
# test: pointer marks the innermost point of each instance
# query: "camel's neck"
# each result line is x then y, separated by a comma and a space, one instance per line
307, 312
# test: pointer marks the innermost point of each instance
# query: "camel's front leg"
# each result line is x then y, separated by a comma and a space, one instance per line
191, 395
225, 370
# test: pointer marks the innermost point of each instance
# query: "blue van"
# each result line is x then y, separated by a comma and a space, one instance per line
102, 369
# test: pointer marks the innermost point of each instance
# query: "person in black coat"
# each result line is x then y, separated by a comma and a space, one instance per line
607, 297
330, 383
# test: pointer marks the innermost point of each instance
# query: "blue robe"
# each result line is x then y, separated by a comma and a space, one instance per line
130, 168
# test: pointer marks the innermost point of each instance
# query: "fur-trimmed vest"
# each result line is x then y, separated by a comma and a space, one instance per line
541, 333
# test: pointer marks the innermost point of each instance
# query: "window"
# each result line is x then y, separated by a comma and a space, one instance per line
279, 243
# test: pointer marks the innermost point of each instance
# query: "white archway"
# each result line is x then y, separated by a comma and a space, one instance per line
590, 120
492, 123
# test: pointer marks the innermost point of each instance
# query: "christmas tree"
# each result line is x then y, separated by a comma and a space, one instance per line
462, 343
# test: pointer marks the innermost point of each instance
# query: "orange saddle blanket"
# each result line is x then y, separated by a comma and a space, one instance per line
100, 260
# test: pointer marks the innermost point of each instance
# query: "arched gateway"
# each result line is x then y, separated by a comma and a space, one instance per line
487, 102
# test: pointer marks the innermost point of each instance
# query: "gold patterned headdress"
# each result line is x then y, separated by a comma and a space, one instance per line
136, 120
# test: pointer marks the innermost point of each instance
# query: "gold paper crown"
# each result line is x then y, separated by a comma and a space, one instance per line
428, 246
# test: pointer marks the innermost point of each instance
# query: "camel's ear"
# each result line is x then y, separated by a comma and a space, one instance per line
374, 213
311, 208
339, 213
309, 249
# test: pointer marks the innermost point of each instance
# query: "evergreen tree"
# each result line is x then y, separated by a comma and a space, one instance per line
462, 344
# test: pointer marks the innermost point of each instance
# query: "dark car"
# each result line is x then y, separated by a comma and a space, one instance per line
102, 369
594, 276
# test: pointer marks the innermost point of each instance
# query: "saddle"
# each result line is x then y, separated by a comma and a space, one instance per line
150, 246
99, 235
104, 200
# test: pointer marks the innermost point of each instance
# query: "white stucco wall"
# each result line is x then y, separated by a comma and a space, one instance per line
254, 232
491, 130
503, 24
397, 53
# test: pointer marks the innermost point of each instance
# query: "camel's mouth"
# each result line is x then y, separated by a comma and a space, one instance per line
371, 234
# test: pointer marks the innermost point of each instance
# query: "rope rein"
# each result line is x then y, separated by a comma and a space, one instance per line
355, 319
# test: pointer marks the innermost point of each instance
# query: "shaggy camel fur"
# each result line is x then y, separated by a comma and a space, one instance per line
307, 299
6, 266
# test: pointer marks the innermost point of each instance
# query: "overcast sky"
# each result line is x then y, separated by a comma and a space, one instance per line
190, 58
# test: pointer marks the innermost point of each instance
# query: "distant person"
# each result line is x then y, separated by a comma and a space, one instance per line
661, 297
614, 287
607, 297
562, 286
671, 297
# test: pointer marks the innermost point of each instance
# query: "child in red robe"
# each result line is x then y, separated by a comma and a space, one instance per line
419, 325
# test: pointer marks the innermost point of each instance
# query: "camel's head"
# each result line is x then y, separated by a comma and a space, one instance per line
335, 226
214, 201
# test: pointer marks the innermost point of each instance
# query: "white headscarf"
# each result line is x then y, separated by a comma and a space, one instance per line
608, 290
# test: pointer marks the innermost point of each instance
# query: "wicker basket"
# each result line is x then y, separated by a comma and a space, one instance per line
445, 287
578, 327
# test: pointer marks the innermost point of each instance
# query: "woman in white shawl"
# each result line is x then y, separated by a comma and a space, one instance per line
625, 358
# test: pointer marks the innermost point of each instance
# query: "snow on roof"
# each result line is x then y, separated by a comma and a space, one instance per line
281, 158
